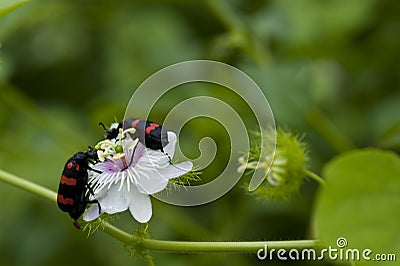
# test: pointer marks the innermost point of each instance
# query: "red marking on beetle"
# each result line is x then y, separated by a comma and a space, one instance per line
69, 181
67, 201
151, 127
77, 167
135, 122
69, 165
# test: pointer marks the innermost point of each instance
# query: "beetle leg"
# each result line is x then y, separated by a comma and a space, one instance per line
94, 170
133, 154
97, 202
90, 190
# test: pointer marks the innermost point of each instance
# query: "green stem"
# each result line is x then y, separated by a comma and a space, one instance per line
231, 20
225, 14
314, 176
7, 8
207, 246
329, 131
117, 233
241, 246
28, 186
163, 245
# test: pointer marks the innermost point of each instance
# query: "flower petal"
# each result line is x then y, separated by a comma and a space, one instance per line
154, 158
139, 205
175, 170
153, 180
114, 201
170, 147
92, 213
149, 180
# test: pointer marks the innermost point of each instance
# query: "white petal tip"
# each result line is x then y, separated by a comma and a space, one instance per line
140, 207
92, 213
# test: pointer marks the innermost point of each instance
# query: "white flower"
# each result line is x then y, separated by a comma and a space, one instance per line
127, 179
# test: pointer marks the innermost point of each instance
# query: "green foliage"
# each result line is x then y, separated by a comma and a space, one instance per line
137, 249
188, 179
360, 202
67, 65
98, 224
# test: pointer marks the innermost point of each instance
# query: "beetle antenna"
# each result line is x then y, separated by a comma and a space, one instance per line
101, 124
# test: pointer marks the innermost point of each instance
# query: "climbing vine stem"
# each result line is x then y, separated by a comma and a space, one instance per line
163, 245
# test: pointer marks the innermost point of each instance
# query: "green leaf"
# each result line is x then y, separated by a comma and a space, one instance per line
6, 6
361, 202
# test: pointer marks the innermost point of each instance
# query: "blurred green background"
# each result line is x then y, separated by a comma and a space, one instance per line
328, 68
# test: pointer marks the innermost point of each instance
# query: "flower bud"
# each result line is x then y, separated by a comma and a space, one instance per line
287, 171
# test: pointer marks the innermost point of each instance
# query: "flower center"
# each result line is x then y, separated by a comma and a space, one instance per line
122, 157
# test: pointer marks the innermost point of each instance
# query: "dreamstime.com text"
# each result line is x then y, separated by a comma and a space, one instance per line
333, 253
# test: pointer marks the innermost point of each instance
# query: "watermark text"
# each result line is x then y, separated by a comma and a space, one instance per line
340, 252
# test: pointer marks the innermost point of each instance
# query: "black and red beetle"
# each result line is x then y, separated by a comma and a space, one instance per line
72, 194
152, 135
